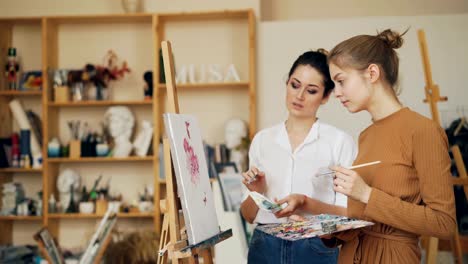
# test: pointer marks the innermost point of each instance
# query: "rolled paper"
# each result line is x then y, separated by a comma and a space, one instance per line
20, 116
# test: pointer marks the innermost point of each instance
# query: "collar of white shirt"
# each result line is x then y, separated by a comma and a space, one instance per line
283, 140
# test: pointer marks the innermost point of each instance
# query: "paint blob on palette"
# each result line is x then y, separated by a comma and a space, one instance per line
313, 227
264, 203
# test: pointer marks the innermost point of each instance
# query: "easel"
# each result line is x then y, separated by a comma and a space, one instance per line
433, 97
174, 242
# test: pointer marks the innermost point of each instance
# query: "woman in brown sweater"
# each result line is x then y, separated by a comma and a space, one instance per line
409, 193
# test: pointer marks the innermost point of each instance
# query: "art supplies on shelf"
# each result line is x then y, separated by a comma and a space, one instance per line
314, 226
264, 203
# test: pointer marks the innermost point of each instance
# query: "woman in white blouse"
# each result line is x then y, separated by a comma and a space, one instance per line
284, 160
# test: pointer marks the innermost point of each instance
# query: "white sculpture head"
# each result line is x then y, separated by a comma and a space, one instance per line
68, 178
120, 121
235, 131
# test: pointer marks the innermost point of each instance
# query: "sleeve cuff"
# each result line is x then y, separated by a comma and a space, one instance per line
377, 201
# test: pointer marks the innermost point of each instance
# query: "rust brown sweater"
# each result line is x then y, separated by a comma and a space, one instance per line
411, 190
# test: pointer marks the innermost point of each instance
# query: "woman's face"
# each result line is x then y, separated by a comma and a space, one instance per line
305, 89
351, 88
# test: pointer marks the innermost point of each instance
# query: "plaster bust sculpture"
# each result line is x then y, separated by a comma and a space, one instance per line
120, 122
68, 180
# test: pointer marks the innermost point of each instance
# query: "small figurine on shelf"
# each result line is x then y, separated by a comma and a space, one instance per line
148, 88
12, 69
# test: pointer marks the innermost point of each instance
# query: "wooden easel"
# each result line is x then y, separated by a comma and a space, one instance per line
433, 97
174, 242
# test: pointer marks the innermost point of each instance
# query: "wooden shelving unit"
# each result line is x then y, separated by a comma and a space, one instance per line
99, 159
51, 28
230, 85
92, 216
20, 93
19, 170
21, 218
101, 103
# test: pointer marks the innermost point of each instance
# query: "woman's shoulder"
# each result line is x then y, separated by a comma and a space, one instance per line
422, 124
269, 132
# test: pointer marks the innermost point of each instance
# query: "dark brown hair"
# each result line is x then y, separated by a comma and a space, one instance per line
360, 51
317, 60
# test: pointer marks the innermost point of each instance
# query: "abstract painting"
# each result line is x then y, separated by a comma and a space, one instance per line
193, 184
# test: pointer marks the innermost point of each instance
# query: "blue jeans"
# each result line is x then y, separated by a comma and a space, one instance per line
265, 248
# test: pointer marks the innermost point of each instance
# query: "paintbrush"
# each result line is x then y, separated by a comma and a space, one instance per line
253, 179
329, 172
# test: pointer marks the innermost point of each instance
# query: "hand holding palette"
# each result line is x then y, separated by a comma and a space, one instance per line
264, 203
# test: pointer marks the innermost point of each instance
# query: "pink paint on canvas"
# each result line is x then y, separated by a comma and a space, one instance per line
192, 159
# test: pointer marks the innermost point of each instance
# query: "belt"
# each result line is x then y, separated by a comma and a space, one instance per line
392, 237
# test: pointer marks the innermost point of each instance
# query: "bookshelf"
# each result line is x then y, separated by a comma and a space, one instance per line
12, 32
54, 50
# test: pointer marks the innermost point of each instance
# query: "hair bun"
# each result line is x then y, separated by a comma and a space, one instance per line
392, 38
323, 51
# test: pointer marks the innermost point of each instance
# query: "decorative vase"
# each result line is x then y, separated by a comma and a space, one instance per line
131, 6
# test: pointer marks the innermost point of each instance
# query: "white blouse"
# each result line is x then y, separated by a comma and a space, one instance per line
289, 172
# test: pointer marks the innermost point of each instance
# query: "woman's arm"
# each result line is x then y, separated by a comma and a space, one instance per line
249, 209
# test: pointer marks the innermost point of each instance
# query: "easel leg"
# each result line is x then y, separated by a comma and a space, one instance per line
456, 248
162, 259
431, 252
207, 256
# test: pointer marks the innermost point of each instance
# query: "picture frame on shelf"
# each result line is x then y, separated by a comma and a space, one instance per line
231, 188
31, 81
230, 183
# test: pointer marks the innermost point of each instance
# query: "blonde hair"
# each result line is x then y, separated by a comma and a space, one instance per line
360, 51
134, 248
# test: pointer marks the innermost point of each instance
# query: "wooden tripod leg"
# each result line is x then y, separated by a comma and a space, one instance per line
456, 248
207, 256
162, 259
456, 245
431, 250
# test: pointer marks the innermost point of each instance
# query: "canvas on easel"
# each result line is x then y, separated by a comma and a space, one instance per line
196, 232
193, 182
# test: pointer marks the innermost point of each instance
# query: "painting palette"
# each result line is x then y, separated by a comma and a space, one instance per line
264, 203
314, 226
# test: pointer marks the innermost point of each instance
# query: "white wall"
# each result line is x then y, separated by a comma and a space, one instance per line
73, 7
274, 10
281, 42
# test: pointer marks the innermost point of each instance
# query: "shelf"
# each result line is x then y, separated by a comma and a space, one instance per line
163, 181
209, 15
92, 216
20, 93
20, 170
21, 20
100, 103
21, 218
236, 85
110, 19
99, 159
